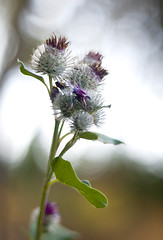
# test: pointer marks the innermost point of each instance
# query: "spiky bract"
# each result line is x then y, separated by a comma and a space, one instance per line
81, 121
52, 57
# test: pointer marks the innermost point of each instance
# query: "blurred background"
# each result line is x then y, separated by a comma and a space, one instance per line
129, 34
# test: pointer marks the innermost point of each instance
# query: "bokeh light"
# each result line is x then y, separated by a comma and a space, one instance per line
129, 34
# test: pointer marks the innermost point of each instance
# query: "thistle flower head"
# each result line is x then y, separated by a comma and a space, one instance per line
94, 106
52, 57
51, 216
92, 58
63, 104
83, 76
81, 121
99, 71
50, 208
95, 103
80, 95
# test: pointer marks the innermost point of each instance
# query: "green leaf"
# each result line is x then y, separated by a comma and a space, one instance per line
28, 73
107, 140
65, 173
89, 136
99, 137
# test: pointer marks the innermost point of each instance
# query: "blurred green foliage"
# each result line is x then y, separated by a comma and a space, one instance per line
135, 209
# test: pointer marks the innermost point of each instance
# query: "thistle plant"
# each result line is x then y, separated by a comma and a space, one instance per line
75, 92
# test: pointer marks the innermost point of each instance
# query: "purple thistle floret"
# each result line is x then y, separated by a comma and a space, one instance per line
99, 71
60, 44
93, 57
94, 61
81, 95
50, 208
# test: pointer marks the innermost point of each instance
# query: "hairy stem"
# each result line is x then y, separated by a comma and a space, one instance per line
47, 179
69, 144
61, 128
50, 83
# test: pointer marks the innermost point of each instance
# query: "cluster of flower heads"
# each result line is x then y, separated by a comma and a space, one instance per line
76, 85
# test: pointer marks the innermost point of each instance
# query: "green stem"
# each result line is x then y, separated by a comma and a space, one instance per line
50, 83
52, 182
60, 139
47, 88
47, 179
69, 144
61, 129
54, 141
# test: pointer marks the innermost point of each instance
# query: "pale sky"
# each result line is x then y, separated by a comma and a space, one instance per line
131, 44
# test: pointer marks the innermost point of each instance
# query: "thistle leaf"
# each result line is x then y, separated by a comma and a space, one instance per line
28, 73
65, 173
108, 140
89, 136
100, 137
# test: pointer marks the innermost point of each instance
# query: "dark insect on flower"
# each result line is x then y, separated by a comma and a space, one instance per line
81, 95
60, 85
60, 44
55, 90
54, 93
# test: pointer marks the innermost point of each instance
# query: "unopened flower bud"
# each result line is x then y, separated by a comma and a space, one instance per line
81, 121
63, 103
